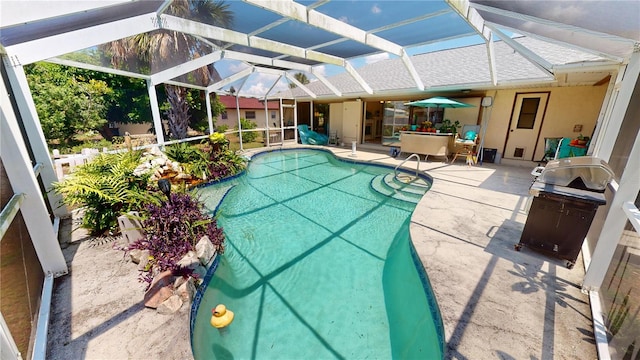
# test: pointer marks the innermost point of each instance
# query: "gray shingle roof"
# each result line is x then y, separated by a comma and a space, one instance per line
466, 67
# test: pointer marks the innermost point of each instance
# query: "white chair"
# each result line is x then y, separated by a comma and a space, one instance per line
333, 138
466, 142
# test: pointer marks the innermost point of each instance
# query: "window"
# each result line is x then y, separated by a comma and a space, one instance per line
250, 115
528, 111
224, 115
273, 114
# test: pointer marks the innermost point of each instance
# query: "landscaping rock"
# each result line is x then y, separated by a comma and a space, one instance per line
161, 289
160, 160
200, 271
171, 305
205, 250
135, 255
189, 261
187, 290
179, 281
143, 260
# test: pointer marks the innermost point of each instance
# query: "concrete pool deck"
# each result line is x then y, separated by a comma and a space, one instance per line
496, 303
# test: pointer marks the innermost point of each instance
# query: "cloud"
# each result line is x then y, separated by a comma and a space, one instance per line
375, 9
235, 67
258, 84
320, 70
375, 58
344, 19
258, 89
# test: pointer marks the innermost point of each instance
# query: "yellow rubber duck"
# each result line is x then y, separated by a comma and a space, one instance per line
221, 317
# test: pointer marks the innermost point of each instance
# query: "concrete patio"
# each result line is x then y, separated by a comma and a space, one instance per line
496, 303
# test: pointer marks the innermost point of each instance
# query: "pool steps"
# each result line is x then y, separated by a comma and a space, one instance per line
403, 187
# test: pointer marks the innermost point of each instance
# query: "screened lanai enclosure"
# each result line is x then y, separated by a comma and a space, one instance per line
306, 61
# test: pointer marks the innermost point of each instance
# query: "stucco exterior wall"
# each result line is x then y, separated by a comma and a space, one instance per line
134, 129
567, 106
466, 116
232, 118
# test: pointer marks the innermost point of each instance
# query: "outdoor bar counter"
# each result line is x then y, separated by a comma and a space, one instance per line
435, 144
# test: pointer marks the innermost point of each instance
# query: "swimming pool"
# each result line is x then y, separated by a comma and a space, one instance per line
317, 265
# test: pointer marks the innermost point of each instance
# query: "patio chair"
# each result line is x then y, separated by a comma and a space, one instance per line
333, 138
466, 142
565, 149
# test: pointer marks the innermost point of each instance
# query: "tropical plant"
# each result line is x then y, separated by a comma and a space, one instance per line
172, 229
224, 163
161, 49
249, 136
106, 187
218, 138
194, 162
183, 152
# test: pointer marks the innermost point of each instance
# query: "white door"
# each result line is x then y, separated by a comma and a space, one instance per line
525, 125
351, 120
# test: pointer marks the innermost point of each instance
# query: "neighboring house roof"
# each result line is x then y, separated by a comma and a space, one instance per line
229, 101
465, 67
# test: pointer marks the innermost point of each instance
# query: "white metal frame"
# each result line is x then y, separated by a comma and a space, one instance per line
627, 188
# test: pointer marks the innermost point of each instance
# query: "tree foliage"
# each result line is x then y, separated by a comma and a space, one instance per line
162, 49
68, 101
302, 79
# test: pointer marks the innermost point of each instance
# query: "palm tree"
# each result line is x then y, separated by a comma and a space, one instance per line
301, 77
162, 49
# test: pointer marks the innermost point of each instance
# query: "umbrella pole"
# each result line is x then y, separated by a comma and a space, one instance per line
485, 122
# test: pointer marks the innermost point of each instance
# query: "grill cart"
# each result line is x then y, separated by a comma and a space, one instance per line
567, 192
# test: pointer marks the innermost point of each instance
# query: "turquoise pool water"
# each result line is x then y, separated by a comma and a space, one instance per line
317, 265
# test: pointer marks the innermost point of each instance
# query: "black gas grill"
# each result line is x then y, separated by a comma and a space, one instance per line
567, 193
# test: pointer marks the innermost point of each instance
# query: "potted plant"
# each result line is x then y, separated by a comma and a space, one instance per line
449, 127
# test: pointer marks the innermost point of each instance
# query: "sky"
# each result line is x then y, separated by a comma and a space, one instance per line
374, 16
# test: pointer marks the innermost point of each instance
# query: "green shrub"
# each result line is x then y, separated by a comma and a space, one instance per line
193, 161
248, 125
222, 128
106, 187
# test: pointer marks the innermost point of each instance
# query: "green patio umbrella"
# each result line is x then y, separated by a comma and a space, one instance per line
438, 102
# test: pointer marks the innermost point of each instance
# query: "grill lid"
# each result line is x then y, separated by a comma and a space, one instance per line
594, 173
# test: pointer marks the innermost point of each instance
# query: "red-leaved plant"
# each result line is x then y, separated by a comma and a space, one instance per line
171, 230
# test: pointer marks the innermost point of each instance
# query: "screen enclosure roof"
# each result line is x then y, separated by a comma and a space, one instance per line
277, 41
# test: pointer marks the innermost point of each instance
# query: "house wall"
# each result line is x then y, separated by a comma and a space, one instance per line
232, 118
134, 129
231, 121
466, 116
568, 106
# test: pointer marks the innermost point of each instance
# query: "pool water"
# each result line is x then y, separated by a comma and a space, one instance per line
317, 265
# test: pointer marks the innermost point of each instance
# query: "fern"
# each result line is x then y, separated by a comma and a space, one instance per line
107, 187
